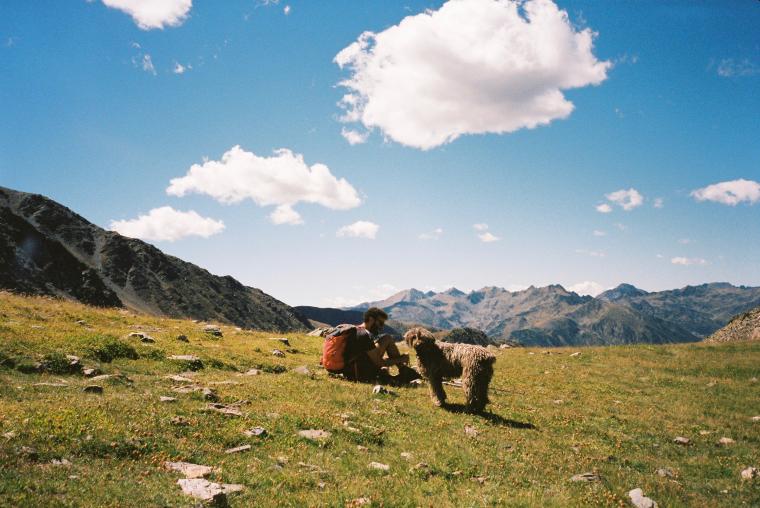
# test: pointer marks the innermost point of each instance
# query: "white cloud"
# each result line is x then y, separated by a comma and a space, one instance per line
480, 227
587, 287
432, 235
149, 14
598, 232
146, 63
730, 193
284, 214
729, 68
359, 229
603, 208
181, 69
283, 180
688, 261
592, 253
354, 137
488, 237
167, 224
627, 199
658, 203
470, 67
286, 10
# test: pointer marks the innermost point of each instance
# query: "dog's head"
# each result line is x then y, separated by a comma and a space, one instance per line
417, 337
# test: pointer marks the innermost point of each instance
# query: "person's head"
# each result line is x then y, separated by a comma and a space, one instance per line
374, 319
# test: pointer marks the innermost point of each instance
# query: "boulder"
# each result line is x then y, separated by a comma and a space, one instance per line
639, 500
189, 469
205, 490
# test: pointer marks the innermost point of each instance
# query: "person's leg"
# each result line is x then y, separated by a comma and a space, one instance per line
386, 345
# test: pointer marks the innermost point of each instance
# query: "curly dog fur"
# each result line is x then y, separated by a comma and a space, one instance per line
438, 360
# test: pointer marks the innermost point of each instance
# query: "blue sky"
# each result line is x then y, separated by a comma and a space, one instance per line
94, 116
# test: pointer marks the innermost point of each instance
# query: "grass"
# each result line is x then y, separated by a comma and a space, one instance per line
613, 411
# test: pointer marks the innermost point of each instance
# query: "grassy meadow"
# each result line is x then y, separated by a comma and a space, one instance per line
610, 411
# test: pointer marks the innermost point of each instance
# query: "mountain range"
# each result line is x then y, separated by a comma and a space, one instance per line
47, 249
553, 316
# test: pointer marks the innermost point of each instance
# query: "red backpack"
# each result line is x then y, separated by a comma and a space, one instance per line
334, 347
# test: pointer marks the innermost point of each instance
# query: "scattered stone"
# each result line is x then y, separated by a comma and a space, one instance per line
284, 341
750, 473
189, 469
226, 410
379, 466
30, 453
705, 432
360, 448
470, 431
278, 353
179, 379
183, 338
682, 440
209, 394
238, 449
665, 472
255, 432
420, 468
505, 346
314, 434
406, 455
586, 477
479, 479
753, 380
187, 388
755, 419
639, 500
359, 501
205, 490
303, 370
90, 372
212, 330
167, 399
558, 401
711, 384
179, 421
251, 372
321, 485
93, 389
227, 382
725, 441
144, 337
379, 390
576, 354
9, 435
57, 385
81, 322
116, 377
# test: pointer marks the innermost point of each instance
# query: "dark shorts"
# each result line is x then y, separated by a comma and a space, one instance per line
361, 369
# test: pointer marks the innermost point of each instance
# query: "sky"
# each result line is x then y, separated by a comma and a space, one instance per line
336, 152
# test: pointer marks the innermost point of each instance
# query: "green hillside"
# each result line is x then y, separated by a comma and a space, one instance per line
611, 411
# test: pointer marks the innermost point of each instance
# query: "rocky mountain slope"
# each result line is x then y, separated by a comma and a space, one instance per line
553, 316
745, 326
47, 249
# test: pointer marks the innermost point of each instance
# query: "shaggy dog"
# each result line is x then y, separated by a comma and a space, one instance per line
438, 360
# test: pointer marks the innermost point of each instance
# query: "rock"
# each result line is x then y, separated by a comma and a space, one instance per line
212, 330
470, 431
314, 434
705, 432
359, 501
665, 472
406, 455
750, 473
183, 338
560, 401
586, 477
209, 394
56, 385
685, 441
639, 500
251, 372
255, 432
90, 372
725, 441
188, 469
505, 346
224, 409
144, 337
282, 340
167, 399
576, 354
179, 421
115, 377
379, 466
30, 453
303, 370
93, 389
81, 322
278, 353
420, 468
479, 479
61, 462
755, 419
187, 388
380, 390
179, 379
238, 449
9, 435
205, 490
360, 448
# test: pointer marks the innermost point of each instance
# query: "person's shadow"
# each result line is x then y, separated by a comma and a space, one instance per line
491, 417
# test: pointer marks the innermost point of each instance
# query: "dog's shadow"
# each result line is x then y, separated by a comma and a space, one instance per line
491, 417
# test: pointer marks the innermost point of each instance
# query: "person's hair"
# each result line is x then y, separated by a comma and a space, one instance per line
375, 312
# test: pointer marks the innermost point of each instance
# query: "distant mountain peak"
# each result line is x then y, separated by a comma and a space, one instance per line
452, 291
623, 290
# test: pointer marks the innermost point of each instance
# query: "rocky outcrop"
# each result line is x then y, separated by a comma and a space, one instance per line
745, 326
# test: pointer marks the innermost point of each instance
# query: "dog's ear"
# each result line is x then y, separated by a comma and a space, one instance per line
425, 336
418, 336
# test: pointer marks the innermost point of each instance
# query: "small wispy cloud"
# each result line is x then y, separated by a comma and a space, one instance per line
627, 199
181, 69
730, 67
684, 261
354, 137
587, 287
685, 241
286, 10
432, 235
603, 208
592, 253
484, 235
658, 203
598, 232
359, 229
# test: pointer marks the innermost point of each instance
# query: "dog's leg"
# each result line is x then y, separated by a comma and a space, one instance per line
436, 389
475, 386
